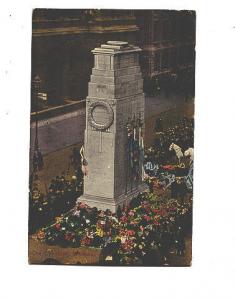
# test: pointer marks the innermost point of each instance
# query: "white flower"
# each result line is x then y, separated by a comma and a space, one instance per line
123, 239
109, 258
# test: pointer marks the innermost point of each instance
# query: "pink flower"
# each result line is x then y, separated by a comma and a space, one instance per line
147, 218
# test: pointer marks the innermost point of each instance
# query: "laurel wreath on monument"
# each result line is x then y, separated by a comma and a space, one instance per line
109, 110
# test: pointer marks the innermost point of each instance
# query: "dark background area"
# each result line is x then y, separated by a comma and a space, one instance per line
62, 40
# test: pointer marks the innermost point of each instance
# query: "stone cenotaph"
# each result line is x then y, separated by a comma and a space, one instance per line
113, 143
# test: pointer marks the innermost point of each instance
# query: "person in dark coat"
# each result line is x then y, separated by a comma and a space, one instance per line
40, 160
182, 190
164, 245
174, 190
152, 258
159, 125
180, 241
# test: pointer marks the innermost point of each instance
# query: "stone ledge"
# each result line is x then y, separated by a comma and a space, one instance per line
58, 110
116, 47
76, 30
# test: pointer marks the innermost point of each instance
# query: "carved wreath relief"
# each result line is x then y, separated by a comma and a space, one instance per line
100, 115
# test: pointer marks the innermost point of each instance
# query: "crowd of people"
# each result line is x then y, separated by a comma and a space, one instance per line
171, 83
61, 197
182, 134
143, 233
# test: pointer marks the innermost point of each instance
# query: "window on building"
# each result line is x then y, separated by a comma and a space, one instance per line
144, 62
157, 65
188, 53
165, 30
165, 59
173, 58
174, 29
193, 55
147, 33
157, 31
182, 55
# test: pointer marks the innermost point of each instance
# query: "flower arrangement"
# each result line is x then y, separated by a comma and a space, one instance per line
137, 230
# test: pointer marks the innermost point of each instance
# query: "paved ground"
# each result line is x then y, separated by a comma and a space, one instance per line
160, 103
41, 253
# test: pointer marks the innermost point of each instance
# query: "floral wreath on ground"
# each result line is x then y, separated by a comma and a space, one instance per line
125, 237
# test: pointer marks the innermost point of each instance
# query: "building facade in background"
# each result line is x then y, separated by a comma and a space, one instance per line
167, 38
62, 40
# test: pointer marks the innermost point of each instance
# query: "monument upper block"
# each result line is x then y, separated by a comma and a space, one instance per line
115, 48
116, 55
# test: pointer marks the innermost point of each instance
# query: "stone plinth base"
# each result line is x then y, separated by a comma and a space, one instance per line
111, 203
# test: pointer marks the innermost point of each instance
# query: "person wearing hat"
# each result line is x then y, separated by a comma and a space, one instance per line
174, 189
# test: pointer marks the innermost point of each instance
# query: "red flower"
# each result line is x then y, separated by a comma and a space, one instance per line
57, 226
124, 219
126, 207
162, 213
168, 167
147, 218
69, 236
128, 245
85, 241
131, 232
155, 222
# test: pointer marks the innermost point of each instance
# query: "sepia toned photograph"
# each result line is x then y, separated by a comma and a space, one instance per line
112, 137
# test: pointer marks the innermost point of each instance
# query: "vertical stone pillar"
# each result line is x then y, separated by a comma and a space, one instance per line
115, 96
